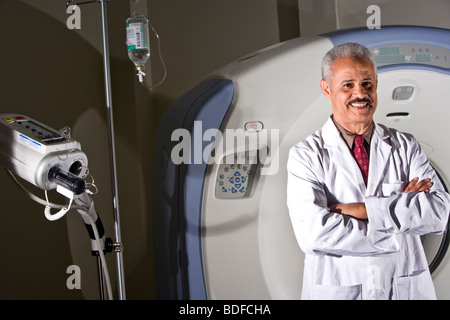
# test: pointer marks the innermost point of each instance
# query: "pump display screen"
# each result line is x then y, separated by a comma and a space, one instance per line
37, 132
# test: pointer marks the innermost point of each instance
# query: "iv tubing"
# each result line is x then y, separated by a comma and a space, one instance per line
37, 199
102, 257
106, 65
141, 73
85, 213
89, 212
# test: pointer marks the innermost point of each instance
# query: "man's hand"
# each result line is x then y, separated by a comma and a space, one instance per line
419, 186
358, 209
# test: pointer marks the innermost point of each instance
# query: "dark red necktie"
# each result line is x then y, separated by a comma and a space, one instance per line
361, 156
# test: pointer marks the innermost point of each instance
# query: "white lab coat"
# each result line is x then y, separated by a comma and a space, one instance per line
378, 258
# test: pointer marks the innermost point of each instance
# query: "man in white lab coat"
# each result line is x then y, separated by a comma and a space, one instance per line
360, 226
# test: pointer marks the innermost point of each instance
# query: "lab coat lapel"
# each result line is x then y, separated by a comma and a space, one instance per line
380, 157
341, 155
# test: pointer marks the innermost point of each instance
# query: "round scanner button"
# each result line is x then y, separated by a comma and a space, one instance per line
253, 126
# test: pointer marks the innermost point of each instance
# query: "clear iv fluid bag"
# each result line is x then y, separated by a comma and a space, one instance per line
138, 42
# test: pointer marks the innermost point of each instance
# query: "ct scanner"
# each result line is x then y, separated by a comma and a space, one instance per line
218, 237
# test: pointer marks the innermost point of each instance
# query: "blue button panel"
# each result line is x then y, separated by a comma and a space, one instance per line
234, 180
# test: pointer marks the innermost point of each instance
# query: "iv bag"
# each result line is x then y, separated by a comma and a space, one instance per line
138, 41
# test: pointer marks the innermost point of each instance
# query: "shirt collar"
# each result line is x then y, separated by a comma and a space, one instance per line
350, 137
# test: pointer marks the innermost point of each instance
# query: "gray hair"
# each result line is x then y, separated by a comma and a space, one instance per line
344, 50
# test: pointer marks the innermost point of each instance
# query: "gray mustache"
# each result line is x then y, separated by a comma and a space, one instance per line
361, 101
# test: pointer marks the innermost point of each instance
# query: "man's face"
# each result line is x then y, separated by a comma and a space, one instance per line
352, 90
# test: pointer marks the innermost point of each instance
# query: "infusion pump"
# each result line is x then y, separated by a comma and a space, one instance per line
51, 159
38, 153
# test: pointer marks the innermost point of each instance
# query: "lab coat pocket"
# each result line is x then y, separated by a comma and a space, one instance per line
418, 286
320, 292
389, 189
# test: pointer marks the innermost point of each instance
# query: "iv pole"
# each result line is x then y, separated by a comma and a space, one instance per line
118, 248
106, 65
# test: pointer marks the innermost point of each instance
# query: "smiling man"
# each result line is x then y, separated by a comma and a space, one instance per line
361, 194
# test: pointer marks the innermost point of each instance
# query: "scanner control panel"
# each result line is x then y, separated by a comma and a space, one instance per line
236, 175
412, 53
